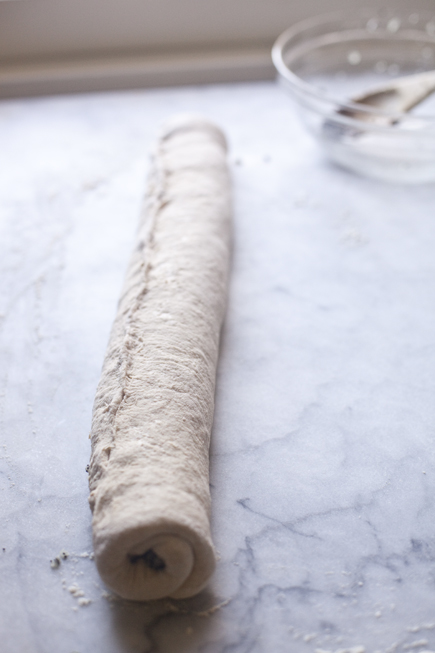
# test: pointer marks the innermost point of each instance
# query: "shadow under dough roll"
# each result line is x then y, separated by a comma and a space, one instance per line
153, 411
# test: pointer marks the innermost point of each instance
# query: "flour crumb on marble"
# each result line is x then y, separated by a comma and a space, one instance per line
75, 591
417, 644
55, 563
392, 648
416, 629
84, 602
79, 594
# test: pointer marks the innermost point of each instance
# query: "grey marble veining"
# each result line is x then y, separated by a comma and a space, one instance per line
323, 456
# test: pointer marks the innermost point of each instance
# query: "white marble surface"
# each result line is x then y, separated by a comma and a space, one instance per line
323, 457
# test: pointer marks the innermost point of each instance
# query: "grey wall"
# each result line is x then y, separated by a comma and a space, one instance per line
43, 28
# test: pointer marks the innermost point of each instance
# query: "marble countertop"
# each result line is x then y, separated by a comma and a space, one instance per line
323, 456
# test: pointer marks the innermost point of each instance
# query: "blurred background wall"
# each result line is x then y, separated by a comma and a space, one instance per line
78, 45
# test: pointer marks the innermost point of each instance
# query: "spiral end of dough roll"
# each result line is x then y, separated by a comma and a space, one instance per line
142, 555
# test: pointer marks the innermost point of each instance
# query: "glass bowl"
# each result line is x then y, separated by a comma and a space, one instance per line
327, 60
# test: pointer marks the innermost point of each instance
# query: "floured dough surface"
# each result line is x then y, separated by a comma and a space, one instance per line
154, 405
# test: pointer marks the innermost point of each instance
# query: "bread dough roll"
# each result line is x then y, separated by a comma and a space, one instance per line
153, 411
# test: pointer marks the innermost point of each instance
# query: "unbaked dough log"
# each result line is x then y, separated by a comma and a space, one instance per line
154, 404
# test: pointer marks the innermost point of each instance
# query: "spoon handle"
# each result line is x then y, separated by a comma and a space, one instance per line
401, 94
